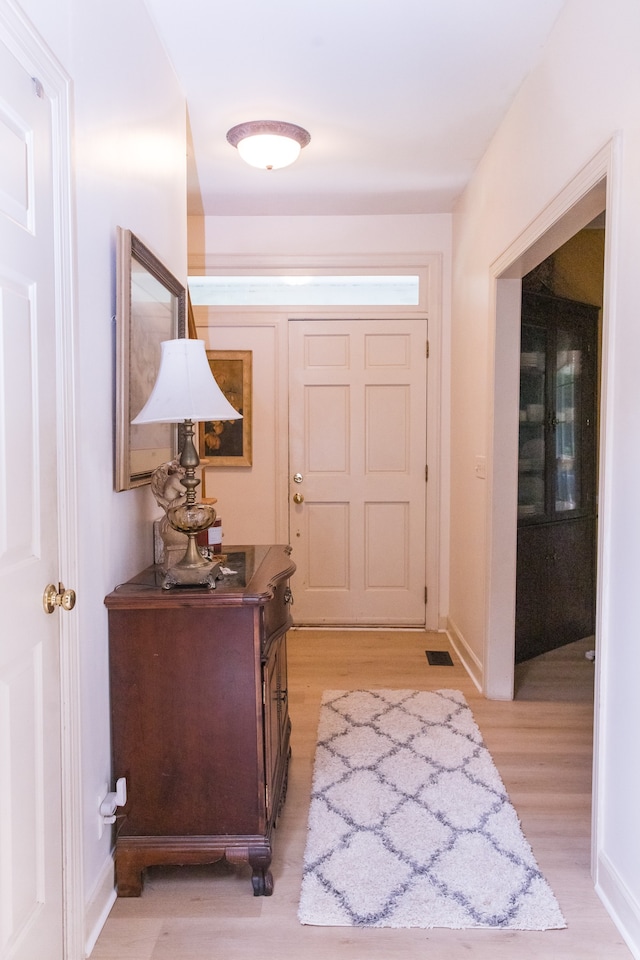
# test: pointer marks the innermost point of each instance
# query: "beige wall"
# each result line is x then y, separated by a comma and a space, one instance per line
250, 498
583, 95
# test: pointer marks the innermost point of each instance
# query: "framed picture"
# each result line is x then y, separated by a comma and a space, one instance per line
151, 305
227, 443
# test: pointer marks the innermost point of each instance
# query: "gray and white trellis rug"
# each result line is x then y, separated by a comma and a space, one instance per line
410, 824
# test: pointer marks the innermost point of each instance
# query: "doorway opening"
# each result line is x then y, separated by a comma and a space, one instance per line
562, 300
582, 201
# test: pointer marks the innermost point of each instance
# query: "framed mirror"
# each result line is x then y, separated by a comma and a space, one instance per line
151, 305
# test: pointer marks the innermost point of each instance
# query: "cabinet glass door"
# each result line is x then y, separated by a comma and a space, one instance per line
531, 452
566, 421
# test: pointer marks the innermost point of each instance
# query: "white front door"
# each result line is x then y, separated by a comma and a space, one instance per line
31, 874
357, 457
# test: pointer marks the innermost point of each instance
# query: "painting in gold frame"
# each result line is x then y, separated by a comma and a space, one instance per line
227, 443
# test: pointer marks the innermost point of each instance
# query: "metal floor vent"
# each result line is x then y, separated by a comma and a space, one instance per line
439, 658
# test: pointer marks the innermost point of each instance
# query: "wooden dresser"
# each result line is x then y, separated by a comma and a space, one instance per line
199, 716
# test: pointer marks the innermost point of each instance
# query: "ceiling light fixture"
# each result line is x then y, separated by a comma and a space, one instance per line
268, 144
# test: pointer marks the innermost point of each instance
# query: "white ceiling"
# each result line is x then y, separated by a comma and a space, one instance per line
401, 97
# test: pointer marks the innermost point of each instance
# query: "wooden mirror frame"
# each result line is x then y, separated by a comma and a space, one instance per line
151, 307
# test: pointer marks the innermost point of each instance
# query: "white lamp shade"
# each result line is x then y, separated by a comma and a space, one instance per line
185, 388
268, 151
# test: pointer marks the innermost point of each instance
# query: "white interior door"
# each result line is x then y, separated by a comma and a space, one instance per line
30, 764
357, 457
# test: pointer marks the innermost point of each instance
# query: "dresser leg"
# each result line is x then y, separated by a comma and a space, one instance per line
129, 875
262, 882
261, 878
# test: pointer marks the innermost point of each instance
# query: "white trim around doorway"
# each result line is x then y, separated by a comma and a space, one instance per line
594, 189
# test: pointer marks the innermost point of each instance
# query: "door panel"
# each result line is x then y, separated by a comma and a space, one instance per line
327, 451
387, 451
386, 558
30, 798
326, 525
358, 441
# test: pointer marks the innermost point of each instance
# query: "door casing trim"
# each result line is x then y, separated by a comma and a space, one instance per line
594, 189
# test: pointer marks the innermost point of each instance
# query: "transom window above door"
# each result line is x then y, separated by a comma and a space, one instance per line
298, 289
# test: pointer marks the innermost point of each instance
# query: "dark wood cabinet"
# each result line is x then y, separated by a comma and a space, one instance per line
555, 586
199, 716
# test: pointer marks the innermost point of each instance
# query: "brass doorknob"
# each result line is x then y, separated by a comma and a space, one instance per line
298, 498
58, 597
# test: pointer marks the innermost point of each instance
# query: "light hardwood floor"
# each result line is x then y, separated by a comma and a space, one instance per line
542, 746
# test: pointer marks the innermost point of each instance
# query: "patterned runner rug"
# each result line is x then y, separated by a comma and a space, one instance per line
410, 824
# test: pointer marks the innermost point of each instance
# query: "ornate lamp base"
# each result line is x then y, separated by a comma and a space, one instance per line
203, 574
193, 570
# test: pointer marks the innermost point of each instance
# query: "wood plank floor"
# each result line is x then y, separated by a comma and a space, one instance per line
542, 746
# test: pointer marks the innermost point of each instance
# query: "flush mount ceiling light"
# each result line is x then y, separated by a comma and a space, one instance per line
268, 144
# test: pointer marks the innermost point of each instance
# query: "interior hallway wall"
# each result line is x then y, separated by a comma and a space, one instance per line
583, 94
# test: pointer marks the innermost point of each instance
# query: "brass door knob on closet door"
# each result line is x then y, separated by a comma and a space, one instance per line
58, 597
298, 498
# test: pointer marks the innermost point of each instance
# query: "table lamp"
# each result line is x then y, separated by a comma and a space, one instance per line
186, 390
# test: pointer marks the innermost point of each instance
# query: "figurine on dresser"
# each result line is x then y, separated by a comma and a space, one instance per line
170, 544
167, 488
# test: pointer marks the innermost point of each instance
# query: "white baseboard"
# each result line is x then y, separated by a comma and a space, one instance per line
99, 906
467, 657
621, 905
